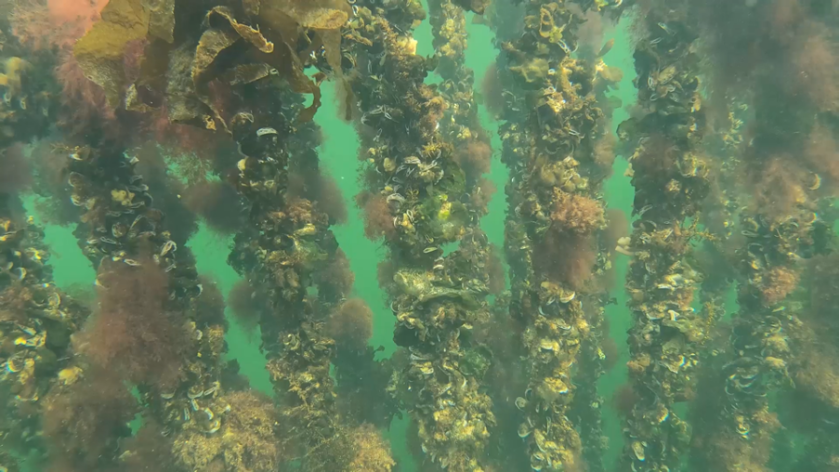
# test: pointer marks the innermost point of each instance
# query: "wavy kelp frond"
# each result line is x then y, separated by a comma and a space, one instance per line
316, 14
162, 20
42, 25
289, 18
248, 33
213, 42
285, 21
181, 101
190, 65
100, 51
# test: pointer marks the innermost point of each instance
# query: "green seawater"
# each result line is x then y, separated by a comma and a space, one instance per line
338, 155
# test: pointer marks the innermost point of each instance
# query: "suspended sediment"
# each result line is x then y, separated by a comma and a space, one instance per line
155, 118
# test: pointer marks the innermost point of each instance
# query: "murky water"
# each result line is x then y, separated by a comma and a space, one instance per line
536, 235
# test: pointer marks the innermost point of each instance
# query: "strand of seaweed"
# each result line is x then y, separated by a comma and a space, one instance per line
208, 84
122, 228
56, 404
289, 249
361, 381
814, 401
84, 407
158, 325
31, 306
671, 179
293, 250
460, 123
598, 353
776, 343
32, 311
551, 123
714, 259
461, 126
416, 198
284, 243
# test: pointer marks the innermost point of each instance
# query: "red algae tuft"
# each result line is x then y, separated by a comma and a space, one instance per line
491, 88
779, 283
336, 279
246, 304
84, 421
822, 157
351, 325
577, 213
82, 99
610, 349
148, 450
624, 399
385, 271
568, 258
814, 67
131, 331
495, 272
328, 198
481, 194
210, 304
777, 188
378, 219
217, 202
604, 153
474, 159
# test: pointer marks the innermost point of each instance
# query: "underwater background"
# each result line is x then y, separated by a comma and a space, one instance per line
623, 447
